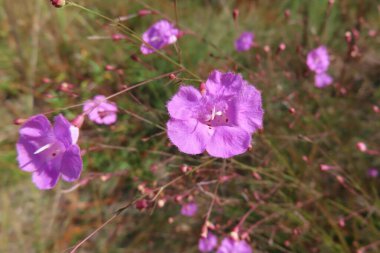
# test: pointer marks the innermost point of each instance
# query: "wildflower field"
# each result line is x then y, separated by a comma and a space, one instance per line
190, 126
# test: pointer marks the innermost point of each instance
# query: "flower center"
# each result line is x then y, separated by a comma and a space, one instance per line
51, 150
216, 115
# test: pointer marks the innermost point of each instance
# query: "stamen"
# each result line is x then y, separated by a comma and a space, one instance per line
43, 148
213, 113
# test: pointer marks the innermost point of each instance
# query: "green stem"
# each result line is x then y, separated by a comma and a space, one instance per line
136, 37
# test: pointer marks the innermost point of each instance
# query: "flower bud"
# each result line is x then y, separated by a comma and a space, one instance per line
19, 121
144, 12
58, 3
202, 88
118, 36
142, 204
361, 146
235, 14
78, 121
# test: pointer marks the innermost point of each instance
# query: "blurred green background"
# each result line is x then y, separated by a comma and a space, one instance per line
299, 208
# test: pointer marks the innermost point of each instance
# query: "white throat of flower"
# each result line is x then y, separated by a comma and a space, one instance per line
43, 148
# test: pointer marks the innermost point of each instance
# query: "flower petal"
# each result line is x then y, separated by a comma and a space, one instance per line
322, 80
227, 246
27, 160
182, 103
34, 134
71, 165
242, 247
223, 84
36, 127
190, 136
74, 131
62, 130
247, 111
46, 177
208, 244
228, 141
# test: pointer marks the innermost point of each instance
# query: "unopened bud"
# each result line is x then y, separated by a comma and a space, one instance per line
161, 203
58, 3
109, 67
142, 204
202, 88
372, 33
118, 36
46, 80
361, 146
292, 110
341, 222
235, 14
172, 76
19, 121
266, 48
348, 36
66, 87
287, 13
282, 47
256, 175
135, 58
145, 12
340, 179
376, 109
325, 167
185, 168
235, 235
78, 121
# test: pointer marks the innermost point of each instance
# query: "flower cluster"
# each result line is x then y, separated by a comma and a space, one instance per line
220, 121
318, 61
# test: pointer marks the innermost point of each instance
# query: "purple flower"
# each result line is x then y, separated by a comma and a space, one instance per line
244, 42
189, 209
49, 151
318, 60
221, 120
373, 172
322, 80
100, 110
159, 35
207, 244
229, 245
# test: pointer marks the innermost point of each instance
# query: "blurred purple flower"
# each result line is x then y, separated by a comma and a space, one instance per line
100, 110
189, 209
373, 172
159, 35
221, 120
322, 80
49, 152
318, 59
229, 245
244, 42
207, 244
